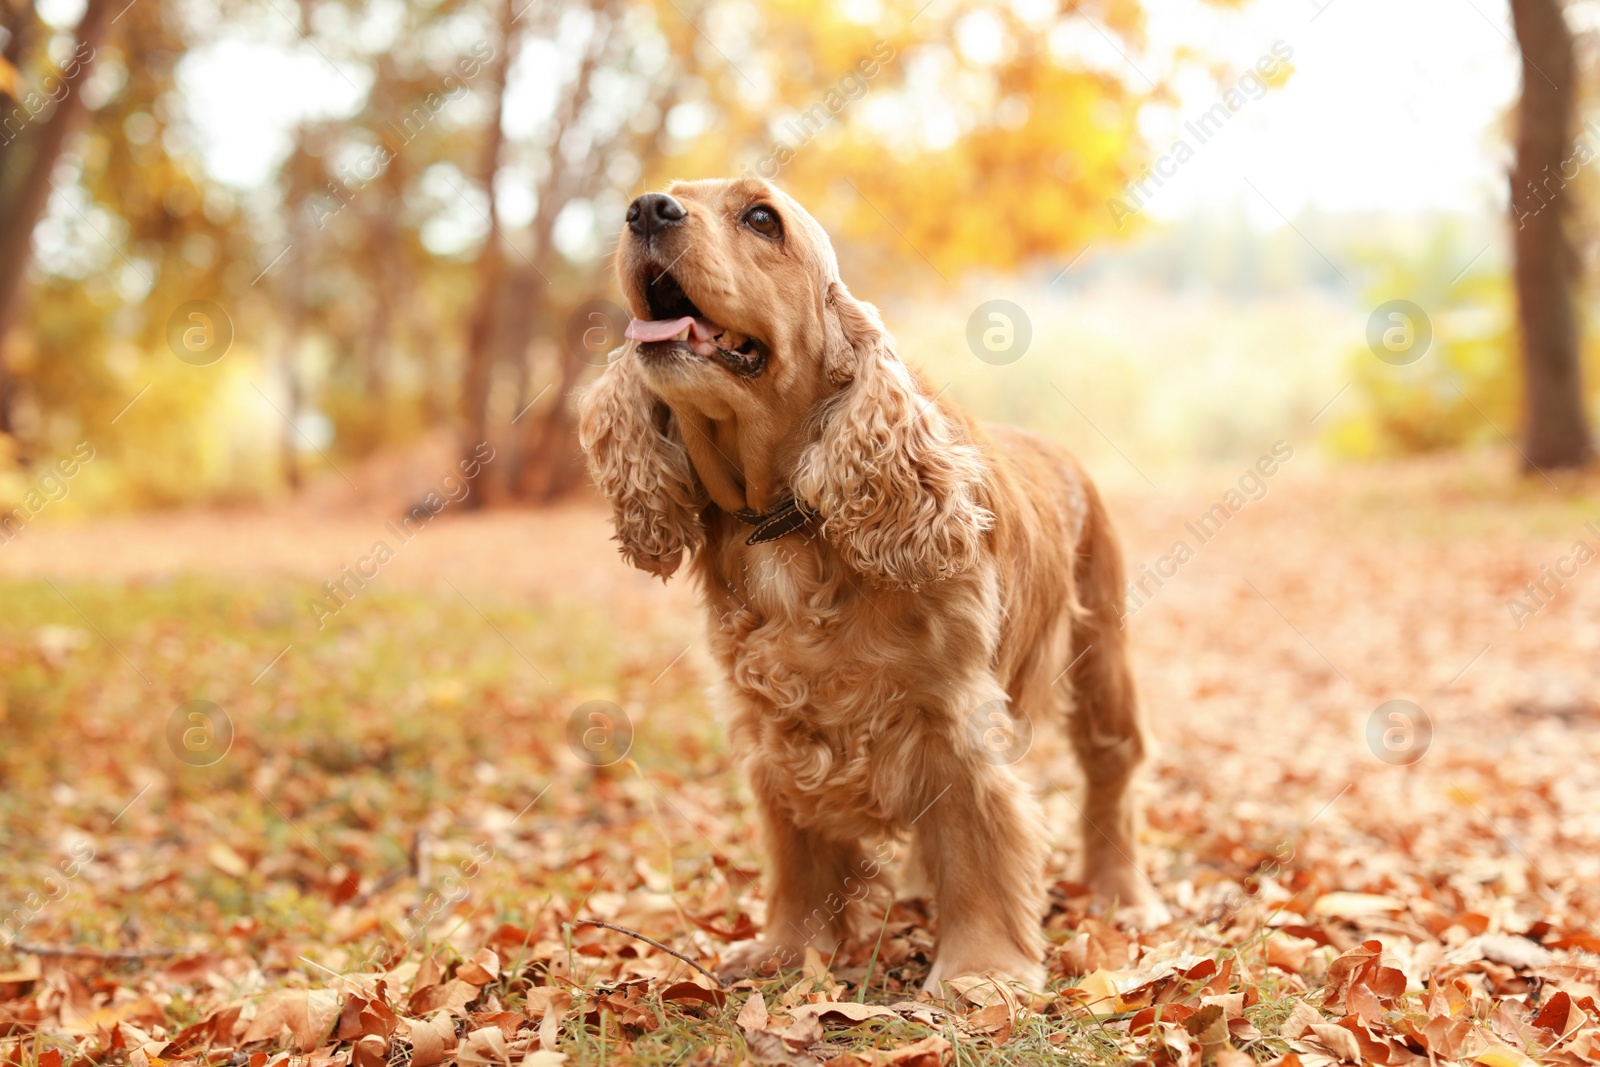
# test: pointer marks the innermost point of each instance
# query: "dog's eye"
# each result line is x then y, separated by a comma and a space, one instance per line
764, 221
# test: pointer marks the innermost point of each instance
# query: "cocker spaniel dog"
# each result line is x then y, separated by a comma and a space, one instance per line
885, 578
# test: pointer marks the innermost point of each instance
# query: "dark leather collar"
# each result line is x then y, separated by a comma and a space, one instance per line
777, 521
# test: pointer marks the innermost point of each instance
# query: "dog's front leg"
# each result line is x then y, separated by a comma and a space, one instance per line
815, 888
981, 840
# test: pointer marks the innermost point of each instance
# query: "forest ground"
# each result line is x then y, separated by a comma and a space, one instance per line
386, 862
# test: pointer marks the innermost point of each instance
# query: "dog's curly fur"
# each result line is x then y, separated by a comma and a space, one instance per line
956, 570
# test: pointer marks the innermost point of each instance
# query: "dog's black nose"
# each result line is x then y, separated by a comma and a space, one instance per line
653, 212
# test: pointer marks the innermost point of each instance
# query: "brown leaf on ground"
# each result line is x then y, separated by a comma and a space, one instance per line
1209, 1028
484, 1047
307, 1015
1366, 965
1302, 1017
996, 1021
694, 991
1146, 1019
481, 969
753, 1015
932, 1051
1333, 1040
768, 1047
452, 996
1096, 946
431, 1039
370, 1050
556, 1005
841, 1011
804, 1032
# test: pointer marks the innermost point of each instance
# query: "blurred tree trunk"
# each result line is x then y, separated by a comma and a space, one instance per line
484, 328
387, 287
1555, 431
546, 462
34, 157
437, 377
302, 176
294, 299
392, 280
23, 24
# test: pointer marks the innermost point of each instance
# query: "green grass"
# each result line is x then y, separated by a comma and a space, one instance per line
405, 706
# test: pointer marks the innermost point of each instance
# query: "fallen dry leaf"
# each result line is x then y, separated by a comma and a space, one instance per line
370, 1050
431, 1039
768, 1047
931, 1051
804, 1032
694, 991
481, 969
308, 1016
753, 1015
484, 1047
1355, 905
1334, 1040
841, 1011
556, 1005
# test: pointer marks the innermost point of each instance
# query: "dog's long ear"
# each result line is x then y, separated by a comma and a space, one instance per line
898, 486
638, 461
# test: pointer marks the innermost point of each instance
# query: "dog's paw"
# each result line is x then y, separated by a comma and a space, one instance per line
755, 958
1130, 899
1145, 916
969, 978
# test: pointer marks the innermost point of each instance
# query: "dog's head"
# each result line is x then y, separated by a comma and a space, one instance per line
753, 374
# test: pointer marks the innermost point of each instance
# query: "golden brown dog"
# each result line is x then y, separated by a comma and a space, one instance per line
882, 573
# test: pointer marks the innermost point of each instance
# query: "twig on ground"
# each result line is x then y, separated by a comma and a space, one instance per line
420, 865
27, 948
384, 884
651, 941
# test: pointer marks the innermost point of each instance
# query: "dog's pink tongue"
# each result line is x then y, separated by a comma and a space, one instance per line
666, 329
657, 329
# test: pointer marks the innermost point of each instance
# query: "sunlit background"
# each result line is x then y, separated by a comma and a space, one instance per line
399, 210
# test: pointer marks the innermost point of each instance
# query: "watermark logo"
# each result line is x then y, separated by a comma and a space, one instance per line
50, 487
1399, 732
1235, 900
599, 733
1252, 486
44, 93
999, 332
594, 329
341, 590
1270, 68
1539, 593
199, 333
1539, 191
397, 132
1002, 735
55, 888
1399, 332
199, 733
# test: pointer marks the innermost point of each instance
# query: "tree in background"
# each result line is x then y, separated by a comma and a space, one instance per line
131, 229
435, 245
34, 127
1555, 431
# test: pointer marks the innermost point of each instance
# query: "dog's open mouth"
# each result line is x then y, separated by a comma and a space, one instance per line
677, 327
